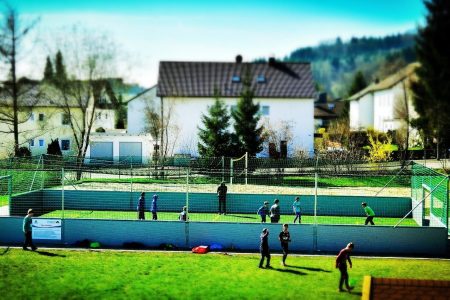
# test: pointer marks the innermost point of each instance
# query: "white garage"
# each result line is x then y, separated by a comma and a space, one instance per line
119, 147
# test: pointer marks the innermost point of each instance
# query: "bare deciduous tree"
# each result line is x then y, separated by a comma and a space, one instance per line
18, 96
90, 58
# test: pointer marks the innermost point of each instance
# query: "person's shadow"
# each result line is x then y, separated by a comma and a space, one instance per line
295, 272
51, 254
309, 269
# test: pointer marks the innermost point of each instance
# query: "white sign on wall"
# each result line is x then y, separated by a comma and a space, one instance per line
46, 229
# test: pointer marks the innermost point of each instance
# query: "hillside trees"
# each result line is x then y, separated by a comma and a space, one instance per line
431, 91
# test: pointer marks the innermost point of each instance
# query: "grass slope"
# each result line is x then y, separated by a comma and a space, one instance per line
59, 274
211, 217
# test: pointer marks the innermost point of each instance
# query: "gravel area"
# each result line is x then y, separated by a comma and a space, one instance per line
247, 189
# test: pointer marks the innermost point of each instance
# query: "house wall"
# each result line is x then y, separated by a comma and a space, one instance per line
51, 127
136, 111
186, 115
105, 118
354, 115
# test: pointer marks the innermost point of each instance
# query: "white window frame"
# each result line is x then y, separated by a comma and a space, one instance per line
43, 143
263, 107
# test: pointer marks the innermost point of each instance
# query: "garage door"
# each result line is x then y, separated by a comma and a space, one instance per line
102, 150
131, 151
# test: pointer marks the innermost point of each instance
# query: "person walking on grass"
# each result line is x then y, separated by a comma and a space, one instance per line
183, 215
27, 230
264, 248
296, 207
141, 207
154, 209
285, 239
275, 212
222, 195
369, 213
263, 211
341, 264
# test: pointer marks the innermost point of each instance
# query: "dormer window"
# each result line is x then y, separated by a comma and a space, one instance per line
236, 79
261, 79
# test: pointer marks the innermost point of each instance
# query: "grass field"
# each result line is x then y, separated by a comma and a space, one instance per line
4, 200
63, 274
212, 217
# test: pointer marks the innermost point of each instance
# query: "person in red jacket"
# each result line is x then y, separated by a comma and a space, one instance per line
341, 263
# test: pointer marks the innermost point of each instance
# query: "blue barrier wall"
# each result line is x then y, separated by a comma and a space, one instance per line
425, 241
207, 202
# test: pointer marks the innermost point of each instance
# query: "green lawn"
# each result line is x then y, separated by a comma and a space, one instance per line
211, 217
354, 181
4, 200
62, 274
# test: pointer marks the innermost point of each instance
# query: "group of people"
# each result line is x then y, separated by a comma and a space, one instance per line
274, 211
285, 238
154, 209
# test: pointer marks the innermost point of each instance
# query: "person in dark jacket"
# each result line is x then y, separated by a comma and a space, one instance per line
154, 209
222, 195
141, 207
27, 230
341, 263
285, 239
263, 211
264, 248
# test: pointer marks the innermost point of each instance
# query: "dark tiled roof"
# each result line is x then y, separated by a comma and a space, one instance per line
323, 113
199, 79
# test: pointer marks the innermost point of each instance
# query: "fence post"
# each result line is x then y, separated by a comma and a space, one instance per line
9, 193
131, 184
223, 168
231, 171
246, 167
62, 191
187, 191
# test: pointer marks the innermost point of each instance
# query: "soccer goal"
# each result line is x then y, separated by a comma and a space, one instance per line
5, 194
239, 168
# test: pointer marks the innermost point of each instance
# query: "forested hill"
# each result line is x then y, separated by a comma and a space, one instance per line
335, 63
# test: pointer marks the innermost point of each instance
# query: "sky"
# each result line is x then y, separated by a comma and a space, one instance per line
147, 32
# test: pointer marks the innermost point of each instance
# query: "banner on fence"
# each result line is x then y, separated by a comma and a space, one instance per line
47, 229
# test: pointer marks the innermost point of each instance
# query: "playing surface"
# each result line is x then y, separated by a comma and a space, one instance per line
69, 274
214, 217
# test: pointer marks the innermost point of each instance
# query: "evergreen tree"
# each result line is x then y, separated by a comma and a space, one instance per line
60, 68
121, 113
431, 90
48, 71
358, 83
248, 136
214, 137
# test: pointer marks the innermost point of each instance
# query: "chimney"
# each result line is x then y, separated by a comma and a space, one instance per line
271, 61
238, 59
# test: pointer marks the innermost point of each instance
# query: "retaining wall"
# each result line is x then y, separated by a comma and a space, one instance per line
424, 241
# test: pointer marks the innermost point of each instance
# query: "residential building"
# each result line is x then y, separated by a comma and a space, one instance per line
42, 119
385, 105
284, 91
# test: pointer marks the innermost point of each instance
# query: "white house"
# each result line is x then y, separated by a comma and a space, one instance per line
382, 105
285, 92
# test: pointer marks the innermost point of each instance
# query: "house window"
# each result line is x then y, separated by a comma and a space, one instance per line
65, 145
41, 117
265, 110
65, 119
31, 142
99, 116
261, 79
41, 143
236, 79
